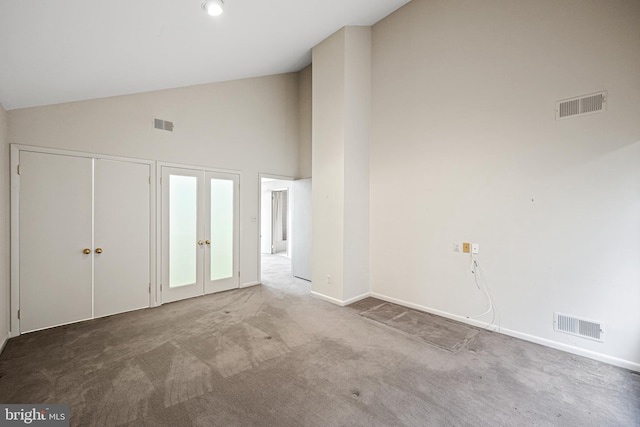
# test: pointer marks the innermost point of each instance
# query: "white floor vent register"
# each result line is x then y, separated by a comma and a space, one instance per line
579, 327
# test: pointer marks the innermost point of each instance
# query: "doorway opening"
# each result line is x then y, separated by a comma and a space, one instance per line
276, 222
285, 231
276, 213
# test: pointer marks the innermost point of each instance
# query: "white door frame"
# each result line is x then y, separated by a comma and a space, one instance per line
14, 304
158, 218
269, 176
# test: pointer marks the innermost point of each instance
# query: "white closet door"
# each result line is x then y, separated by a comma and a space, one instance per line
222, 222
55, 229
121, 231
182, 234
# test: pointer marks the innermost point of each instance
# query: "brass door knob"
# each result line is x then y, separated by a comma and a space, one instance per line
86, 251
208, 242
98, 250
200, 242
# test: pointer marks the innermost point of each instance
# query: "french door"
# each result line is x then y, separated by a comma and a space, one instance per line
200, 232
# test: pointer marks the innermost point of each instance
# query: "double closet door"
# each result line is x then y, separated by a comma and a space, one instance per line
84, 230
200, 232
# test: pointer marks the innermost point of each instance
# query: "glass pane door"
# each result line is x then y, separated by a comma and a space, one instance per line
183, 230
182, 233
221, 229
221, 269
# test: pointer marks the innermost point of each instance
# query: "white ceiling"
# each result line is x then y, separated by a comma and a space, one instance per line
54, 51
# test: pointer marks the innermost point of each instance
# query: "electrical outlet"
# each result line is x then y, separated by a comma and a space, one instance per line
456, 247
328, 279
475, 248
466, 248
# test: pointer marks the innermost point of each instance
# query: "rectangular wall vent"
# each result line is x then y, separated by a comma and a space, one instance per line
581, 105
163, 125
589, 329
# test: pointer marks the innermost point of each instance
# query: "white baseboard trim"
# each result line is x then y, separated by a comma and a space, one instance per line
356, 299
627, 364
4, 342
332, 300
336, 301
249, 284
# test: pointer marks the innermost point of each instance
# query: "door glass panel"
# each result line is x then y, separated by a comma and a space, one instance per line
183, 216
221, 229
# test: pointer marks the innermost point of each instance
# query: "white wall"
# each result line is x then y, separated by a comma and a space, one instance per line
266, 222
327, 245
465, 148
341, 136
357, 99
248, 125
305, 104
4, 228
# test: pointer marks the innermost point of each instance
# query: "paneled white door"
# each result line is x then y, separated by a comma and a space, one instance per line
55, 236
200, 232
84, 238
121, 224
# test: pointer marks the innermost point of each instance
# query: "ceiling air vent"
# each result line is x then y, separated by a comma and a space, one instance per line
579, 327
581, 105
163, 125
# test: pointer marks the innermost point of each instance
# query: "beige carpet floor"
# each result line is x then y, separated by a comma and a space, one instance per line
271, 355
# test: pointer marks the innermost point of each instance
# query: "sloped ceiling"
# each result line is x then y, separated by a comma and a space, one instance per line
69, 50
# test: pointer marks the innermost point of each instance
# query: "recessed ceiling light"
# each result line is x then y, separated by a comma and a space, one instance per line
213, 7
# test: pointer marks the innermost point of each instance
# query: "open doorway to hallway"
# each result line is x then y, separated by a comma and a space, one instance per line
285, 227
276, 220
276, 216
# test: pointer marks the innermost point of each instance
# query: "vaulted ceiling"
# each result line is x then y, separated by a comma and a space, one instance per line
69, 50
